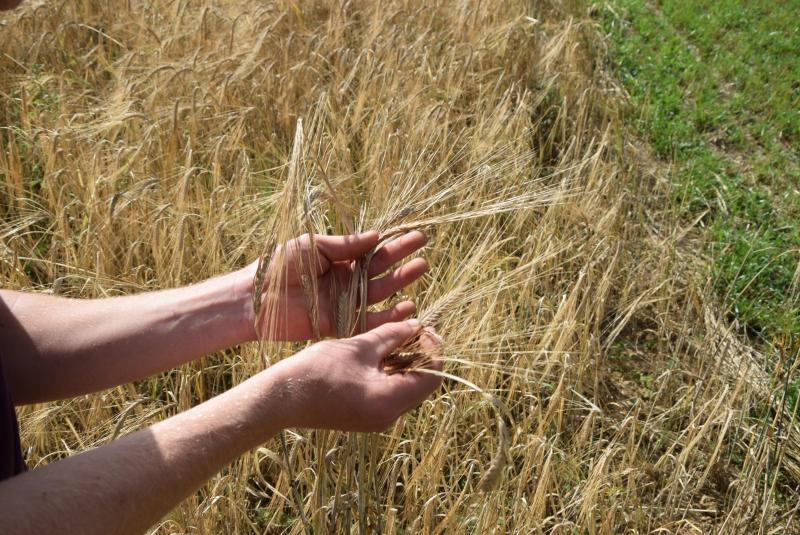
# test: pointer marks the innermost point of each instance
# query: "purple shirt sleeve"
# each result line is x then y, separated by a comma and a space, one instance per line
11, 461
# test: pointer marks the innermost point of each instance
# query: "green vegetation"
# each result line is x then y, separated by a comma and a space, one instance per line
716, 91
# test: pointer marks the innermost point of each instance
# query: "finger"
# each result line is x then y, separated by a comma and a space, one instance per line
387, 337
396, 250
399, 312
350, 247
380, 289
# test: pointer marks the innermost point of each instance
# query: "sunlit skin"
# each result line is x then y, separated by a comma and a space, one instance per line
334, 262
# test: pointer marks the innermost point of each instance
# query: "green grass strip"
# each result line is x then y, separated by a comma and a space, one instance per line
715, 90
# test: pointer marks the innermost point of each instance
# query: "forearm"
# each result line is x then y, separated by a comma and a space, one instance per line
127, 486
55, 348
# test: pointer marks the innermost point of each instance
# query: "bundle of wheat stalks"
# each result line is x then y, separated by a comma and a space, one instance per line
414, 198
592, 386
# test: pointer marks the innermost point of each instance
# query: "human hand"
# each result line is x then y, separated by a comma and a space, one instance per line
341, 384
335, 265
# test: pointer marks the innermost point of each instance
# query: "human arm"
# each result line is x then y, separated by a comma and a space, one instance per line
126, 486
54, 347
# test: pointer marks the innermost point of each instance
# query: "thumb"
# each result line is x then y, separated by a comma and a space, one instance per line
389, 336
350, 247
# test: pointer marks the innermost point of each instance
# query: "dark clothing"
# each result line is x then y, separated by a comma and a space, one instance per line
11, 462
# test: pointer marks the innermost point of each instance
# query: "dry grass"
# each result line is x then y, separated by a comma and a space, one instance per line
155, 145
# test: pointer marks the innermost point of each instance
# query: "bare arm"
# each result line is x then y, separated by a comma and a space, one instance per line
54, 348
125, 487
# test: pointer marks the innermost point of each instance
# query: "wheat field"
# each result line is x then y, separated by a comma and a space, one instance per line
596, 387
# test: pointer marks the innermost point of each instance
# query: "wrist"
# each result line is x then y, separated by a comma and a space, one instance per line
242, 287
268, 403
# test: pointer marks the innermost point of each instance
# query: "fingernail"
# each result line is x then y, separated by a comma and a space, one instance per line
413, 323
